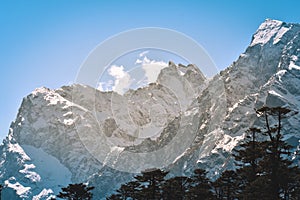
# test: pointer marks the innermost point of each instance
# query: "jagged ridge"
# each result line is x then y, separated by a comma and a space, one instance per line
59, 123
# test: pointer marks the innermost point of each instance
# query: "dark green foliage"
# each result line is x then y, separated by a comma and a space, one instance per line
257, 189
277, 167
249, 155
151, 184
227, 186
1, 188
176, 188
200, 186
152, 181
76, 192
148, 186
248, 159
114, 197
129, 190
266, 172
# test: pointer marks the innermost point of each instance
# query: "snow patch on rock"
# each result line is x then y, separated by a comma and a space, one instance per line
266, 31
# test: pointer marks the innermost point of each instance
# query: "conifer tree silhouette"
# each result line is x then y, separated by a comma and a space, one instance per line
78, 191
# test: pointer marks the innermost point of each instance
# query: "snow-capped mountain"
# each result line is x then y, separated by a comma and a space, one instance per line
79, 134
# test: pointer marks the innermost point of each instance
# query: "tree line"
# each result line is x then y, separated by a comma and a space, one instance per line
264, 170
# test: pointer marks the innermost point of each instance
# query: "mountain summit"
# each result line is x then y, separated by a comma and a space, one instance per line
79, 134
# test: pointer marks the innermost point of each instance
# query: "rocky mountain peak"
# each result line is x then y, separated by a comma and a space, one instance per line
267, 31
274, 32
86, 133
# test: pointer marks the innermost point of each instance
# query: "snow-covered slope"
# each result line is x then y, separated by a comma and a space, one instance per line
29, 172
261, 76
79, 134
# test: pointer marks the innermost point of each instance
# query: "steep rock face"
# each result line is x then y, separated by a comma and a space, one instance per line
47, 121
260, 60
66, 124
86, 133
266, 74
272, 80
30, 173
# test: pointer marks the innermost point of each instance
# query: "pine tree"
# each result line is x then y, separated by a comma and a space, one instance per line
249, 155
200, 186
152, 181
257, 189
1, 188
128, 190
278, 168
248, 158
114, 197
227, 186
176, 188
148, 186
76, 192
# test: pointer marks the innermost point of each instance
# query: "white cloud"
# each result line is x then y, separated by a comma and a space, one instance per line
101, 86
105, 86
152, 68
143, 53
138, 61
143, 61
122, 78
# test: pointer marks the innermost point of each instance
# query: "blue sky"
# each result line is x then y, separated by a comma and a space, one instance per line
43, 43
